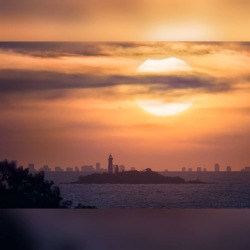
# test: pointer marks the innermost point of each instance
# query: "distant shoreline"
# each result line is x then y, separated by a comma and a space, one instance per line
133, 177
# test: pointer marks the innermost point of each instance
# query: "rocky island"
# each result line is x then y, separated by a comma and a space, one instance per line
132, 177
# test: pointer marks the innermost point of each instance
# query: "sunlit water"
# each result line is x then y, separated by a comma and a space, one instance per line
223, 190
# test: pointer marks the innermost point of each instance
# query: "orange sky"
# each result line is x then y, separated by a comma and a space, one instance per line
71, 104
123, 20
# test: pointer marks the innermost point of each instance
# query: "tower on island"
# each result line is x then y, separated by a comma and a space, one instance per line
110, 164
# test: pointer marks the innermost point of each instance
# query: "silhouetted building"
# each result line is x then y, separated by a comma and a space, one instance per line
98, 166
88, 168
77, 169
229, 169
204, 169
116, 169
14, 161
199, 169
183, 169
58, 169
190, 170
69, 169
46, 168
110, 164
31, 167
247, 169
216, 167
122, 168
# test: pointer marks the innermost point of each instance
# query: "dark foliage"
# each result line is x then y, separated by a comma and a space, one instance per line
82, 206
20, 189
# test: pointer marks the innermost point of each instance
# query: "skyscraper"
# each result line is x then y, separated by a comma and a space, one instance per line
198, 169
110, 164
116, 169
46, 168
97, 166
121, 168
216, 167
58, 169
31, 167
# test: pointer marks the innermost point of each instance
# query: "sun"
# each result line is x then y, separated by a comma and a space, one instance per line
164, 66
160, 108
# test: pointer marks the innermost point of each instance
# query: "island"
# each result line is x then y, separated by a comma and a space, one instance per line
133, 177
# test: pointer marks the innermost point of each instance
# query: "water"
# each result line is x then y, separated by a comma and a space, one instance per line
223, 190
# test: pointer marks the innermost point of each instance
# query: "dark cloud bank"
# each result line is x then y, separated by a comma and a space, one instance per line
57, 49
20, 81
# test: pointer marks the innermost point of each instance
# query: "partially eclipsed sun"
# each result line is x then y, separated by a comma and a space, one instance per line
163, 65
157, 106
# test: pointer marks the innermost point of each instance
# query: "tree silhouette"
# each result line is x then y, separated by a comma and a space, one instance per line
20, 189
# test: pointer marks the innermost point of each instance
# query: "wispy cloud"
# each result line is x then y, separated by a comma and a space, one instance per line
22, 81
127, 49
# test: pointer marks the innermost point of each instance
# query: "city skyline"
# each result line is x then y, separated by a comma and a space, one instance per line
102, 166
110, 167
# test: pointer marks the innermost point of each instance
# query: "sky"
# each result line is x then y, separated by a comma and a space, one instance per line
123, 20
74, 103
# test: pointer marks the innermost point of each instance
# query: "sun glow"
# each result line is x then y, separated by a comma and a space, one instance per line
164, 65
183, 31
160, 108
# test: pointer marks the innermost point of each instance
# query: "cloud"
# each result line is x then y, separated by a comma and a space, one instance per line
54, 49
57, 49
57, 68
24, 81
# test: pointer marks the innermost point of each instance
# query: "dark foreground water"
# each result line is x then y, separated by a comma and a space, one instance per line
223, 190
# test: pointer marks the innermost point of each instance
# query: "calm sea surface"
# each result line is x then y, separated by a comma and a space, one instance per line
223, 190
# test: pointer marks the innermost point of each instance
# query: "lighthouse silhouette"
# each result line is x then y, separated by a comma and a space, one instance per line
110, 164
